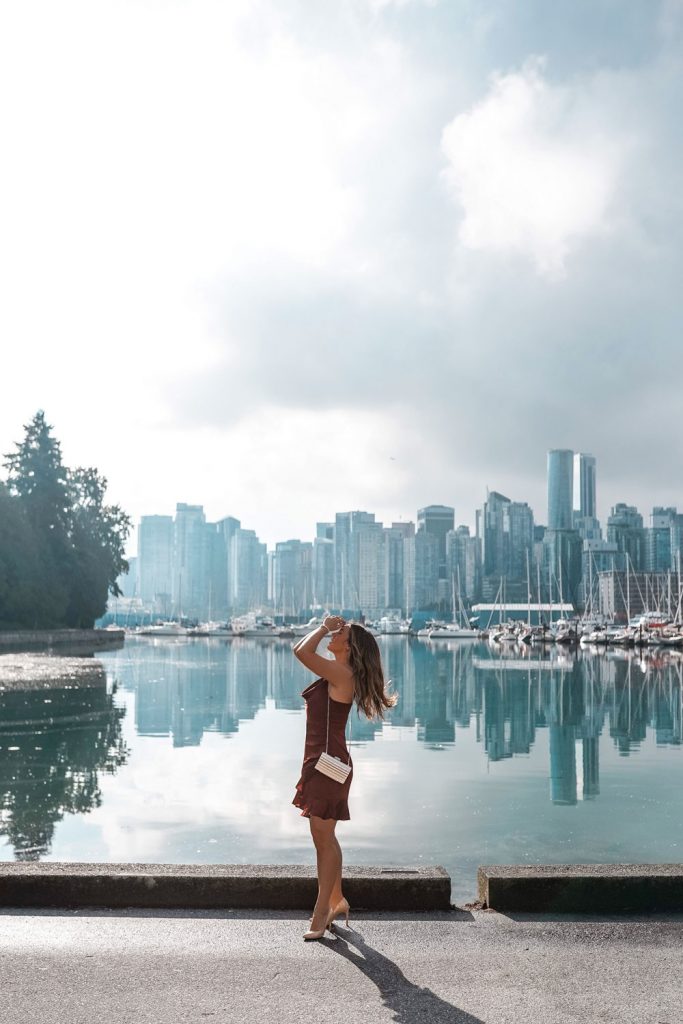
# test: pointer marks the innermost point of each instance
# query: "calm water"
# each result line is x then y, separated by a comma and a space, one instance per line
189, 751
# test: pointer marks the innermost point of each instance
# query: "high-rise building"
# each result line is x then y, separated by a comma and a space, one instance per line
394, 564
563, 565
437, 520
625, 529
677, 543
560, 488
190, 561
597, 556
155, 568
491, 522
249, 569
423, 582
584, 485
291, 580
323, 566
658, 540
587, 527
518, 539
221, 570
359, 562
463, 561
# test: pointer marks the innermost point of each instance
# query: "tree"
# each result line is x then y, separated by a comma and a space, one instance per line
98, 533
30, 593
38, 477
66, 539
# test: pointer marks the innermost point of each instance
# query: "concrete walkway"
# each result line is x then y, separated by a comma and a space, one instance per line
139, 966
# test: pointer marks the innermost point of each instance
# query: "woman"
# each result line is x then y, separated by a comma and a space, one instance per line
354, 675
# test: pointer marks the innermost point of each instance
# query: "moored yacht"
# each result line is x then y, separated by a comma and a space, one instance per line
163, 629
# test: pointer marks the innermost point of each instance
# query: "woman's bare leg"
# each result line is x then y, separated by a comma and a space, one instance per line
337, 894
328, 855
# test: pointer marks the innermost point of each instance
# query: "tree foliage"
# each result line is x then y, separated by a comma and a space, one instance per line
61, 545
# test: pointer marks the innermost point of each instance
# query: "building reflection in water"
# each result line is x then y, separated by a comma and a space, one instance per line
54, 744
506, 696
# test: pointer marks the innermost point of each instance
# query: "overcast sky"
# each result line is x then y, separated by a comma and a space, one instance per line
286, 258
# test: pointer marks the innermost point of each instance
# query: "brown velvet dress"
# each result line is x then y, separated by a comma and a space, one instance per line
318, 794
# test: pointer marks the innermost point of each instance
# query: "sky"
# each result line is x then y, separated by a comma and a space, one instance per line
284, 258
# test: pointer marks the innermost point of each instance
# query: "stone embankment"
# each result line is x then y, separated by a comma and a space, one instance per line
582, 888
271, 886
83, 641
561, 889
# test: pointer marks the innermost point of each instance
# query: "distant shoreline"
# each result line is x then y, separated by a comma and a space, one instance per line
61, 640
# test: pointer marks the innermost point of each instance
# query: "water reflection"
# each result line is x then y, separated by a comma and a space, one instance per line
183, 690
498, 705
574, 696
54, 744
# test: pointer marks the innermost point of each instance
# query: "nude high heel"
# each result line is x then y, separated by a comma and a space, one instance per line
341, 908
312, 934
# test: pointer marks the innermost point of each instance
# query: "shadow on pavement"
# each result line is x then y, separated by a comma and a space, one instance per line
675, 917
410, 1003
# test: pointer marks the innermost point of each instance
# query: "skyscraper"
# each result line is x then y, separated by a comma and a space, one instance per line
625, 529
394, 564
291, 582
323, 565
426, 569
584, 485
437, 520
491, 523
248, 566
658, 540
560, 488
155, 569
359, 562
190, 561
518, 524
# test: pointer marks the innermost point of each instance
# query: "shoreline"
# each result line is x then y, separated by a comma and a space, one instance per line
81, 641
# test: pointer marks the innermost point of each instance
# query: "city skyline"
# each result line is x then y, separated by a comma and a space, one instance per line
465, 518
357, 254
189, 565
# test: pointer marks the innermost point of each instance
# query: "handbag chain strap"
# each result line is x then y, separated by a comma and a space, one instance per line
327, 739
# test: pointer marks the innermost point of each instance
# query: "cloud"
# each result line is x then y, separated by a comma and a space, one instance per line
529, 171
232, 231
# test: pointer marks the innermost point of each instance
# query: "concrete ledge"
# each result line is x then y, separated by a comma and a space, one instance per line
582, 888
70, 639
243, 886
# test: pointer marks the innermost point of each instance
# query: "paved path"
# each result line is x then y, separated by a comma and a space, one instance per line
138, 966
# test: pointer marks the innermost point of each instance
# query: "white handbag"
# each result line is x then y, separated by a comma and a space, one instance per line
334, 767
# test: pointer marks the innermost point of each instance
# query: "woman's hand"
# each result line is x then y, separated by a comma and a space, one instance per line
333, 623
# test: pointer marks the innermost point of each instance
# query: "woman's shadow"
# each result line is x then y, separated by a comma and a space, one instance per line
409, 1003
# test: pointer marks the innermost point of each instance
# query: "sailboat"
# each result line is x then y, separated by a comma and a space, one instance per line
454, 631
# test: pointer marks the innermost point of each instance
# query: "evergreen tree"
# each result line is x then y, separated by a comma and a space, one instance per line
61, 546
98, 533
38, 477
30, 594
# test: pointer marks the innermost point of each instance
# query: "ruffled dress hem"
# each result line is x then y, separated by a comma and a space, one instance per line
321, 808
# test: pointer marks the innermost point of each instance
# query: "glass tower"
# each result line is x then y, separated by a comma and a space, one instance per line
584, 484
560, 488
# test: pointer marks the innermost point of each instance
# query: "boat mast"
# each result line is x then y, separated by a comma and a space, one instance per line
561, 597
628, 590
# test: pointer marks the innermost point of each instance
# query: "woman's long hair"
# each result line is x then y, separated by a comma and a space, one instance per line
365, 662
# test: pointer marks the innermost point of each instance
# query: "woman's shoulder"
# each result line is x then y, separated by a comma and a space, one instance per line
341, 684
